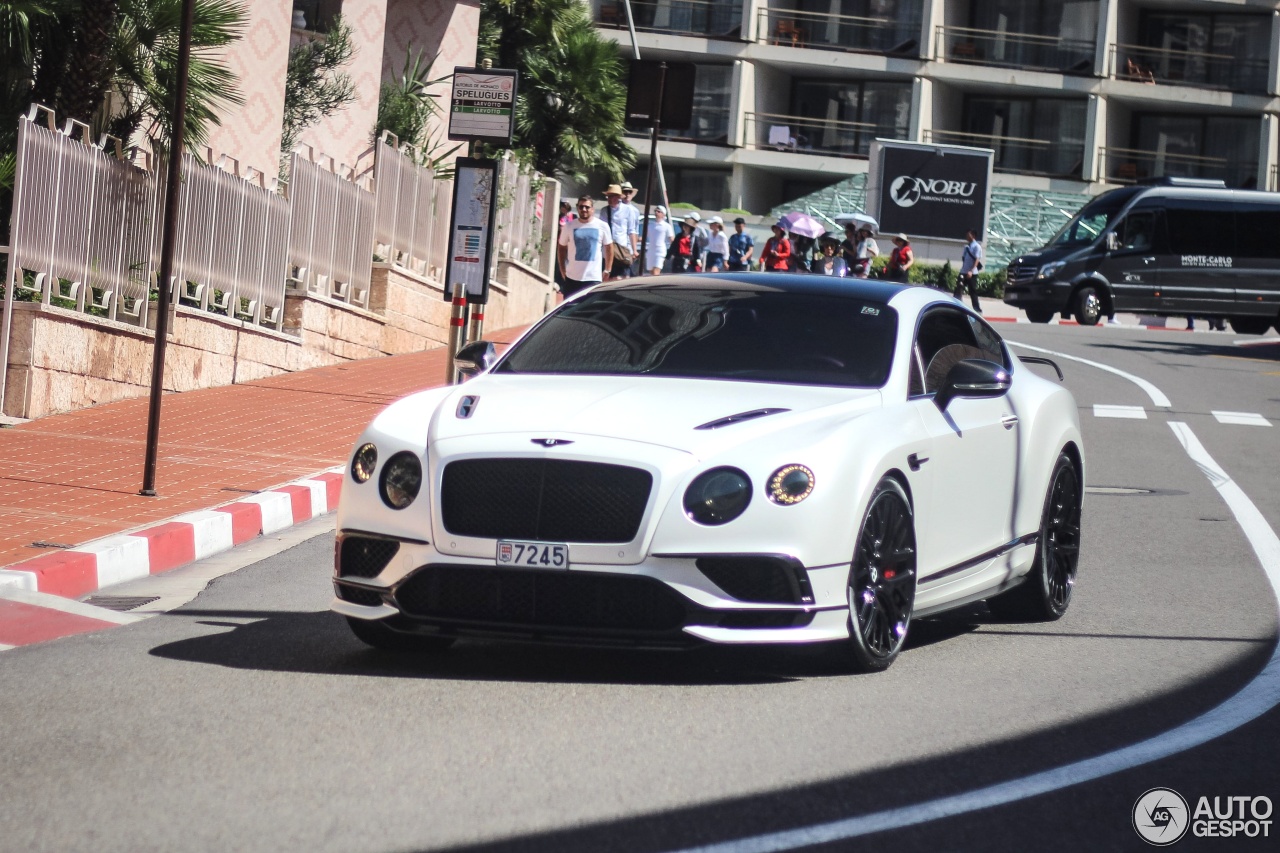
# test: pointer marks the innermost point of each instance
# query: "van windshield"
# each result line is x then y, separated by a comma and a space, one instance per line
1091, 221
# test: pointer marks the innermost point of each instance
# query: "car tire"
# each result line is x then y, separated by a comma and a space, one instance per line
1087, 306
1250, 325
1046, 593
381, 637
881, 589
1040, 315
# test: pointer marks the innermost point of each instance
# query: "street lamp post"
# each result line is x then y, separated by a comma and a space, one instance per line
176, 147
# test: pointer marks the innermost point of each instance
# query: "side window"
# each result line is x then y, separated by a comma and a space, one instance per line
1257, 231
988, 341
1143, 231
946, 337
1208, 228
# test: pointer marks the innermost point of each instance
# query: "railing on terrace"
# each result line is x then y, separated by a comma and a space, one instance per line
1130, 165
521, 212
710, 126
708, 18
330, 231
1020, 156
411, 222
1015, 50
815, 136
1189, 68
794, 28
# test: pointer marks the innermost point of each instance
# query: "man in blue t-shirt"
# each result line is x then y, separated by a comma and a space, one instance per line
740, 246
592, 242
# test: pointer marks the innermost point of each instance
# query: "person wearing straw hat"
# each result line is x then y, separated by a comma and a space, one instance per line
901, 259
624, 221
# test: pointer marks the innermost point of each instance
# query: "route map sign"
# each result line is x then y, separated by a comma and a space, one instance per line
483, 108
475, 186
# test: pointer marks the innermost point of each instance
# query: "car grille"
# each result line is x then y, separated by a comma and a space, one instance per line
357, 595
541, 599
757, 579
551, 500
364, 557
1022, 272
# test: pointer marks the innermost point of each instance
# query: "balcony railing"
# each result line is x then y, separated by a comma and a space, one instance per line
848, 33
1015, 50
1130, 165
1018, 156
710, 126
705, 18
1188, 68
815, 136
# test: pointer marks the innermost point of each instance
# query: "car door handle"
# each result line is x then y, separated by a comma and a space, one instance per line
1150, 259
915, 461
1009, 421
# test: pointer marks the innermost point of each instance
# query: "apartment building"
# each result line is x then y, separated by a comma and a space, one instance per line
1072, 95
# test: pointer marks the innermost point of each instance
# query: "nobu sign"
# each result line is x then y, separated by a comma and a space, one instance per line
937, 191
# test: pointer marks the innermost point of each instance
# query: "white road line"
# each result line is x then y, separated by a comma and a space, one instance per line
1255, 699
1241, 418
1101, 410
1157, 396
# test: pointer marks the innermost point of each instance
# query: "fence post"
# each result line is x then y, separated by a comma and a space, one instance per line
457, 332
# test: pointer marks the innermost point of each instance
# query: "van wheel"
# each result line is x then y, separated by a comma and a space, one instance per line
1250, 325
1039, 315
1088, 306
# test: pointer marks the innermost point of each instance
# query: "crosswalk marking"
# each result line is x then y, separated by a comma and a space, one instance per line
1241, 418
1105, 411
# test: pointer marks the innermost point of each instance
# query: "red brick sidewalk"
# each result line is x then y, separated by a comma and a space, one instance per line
67, 479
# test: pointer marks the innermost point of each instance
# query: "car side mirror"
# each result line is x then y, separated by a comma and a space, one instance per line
475, 358
973, 378
1113, 241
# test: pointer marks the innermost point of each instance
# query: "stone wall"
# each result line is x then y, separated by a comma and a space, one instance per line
61, 360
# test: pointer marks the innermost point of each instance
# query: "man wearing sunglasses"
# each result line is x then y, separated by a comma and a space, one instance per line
592, 255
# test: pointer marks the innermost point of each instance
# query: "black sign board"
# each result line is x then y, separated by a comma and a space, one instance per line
934, 191
475, 197
677, 94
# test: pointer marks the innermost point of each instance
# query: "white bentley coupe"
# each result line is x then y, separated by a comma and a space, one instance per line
731, 458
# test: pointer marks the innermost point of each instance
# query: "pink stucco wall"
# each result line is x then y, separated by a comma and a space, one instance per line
445, 29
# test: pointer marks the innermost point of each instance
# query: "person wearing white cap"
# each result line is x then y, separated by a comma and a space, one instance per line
717, 245
660, 237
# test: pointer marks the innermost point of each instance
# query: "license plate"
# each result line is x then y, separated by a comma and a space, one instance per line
532, 555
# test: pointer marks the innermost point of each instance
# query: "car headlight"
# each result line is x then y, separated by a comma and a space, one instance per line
790, 484
401, 479
1049, 270
363, 463
717, 496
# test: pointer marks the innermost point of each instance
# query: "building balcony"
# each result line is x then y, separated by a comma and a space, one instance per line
826, 137
710, 127
848, 33
1015, 50
1189, 68
701, 18
1131, 165
1018, 156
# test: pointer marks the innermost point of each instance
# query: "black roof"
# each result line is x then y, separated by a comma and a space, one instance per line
823, 285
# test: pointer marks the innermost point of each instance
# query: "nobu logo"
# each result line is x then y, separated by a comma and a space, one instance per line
906, 190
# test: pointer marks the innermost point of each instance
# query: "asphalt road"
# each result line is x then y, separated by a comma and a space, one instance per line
250, 719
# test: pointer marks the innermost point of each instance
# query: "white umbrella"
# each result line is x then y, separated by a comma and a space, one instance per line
859, 219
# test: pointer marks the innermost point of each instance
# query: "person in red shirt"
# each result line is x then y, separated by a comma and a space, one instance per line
776, 256
681, 251
900, 260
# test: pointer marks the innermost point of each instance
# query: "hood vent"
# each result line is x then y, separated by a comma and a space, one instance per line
730, 420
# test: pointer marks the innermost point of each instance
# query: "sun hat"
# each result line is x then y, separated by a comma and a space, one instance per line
690, 221
626, 185
695, 216
903, 238
613, 189
715, 220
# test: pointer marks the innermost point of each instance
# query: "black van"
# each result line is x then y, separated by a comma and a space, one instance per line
1182, 246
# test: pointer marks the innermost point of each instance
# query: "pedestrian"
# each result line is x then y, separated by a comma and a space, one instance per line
624, 222
701, 236
717, 245
970, 266
867, 251
828, 262
801, 252
660, 237
740, 246
566, 216
901, 259
849, 246
593, 247
682, 247
776, 255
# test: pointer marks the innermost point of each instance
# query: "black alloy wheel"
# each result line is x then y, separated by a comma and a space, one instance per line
1040, 315
1046, 593
1088, 305
882, 579
381, 637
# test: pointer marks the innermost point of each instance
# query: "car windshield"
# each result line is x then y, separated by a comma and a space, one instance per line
1091, 221
753, 335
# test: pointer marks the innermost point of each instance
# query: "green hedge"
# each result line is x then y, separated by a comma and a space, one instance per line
989, 283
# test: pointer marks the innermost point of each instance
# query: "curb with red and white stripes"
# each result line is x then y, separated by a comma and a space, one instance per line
77, 571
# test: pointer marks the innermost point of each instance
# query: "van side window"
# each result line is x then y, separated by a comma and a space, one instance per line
1143, 231
1258, 231
1200, 228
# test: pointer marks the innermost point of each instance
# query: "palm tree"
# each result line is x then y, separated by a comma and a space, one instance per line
89, 63
570, 112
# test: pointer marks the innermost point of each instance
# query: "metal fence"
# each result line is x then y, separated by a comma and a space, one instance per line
411, 223
331, 231
518, 222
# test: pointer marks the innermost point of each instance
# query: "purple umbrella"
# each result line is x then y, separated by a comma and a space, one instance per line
802, 224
